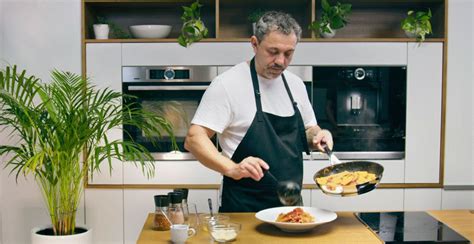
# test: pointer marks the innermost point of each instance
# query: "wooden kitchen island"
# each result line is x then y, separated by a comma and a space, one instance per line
345, 229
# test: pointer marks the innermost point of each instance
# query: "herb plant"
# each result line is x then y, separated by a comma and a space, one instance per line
418, 23
255, 15
332, 17
193, 29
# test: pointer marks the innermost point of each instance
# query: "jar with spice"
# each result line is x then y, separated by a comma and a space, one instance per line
175, 209
160, 219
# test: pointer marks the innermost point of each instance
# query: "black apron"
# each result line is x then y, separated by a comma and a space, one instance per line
279, 141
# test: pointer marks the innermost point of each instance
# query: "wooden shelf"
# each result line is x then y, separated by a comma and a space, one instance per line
248, 39
370, 20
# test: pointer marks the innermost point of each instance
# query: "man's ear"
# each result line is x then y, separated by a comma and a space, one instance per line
254, 42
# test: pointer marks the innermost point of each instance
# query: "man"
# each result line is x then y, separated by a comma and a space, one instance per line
263, 117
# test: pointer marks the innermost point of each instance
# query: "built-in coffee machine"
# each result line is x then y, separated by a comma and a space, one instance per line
364, 107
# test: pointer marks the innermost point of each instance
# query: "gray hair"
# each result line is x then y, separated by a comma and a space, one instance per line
277, 21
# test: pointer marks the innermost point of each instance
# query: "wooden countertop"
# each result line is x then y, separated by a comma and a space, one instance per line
345, 229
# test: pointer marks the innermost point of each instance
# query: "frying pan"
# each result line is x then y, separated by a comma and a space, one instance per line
350, 166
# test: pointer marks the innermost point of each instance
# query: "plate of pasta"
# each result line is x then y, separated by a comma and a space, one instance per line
296, 219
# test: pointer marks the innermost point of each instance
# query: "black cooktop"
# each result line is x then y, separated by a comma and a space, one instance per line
410, 227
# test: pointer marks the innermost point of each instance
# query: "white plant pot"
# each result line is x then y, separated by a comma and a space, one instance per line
410, 34
101, 31
81, 238
328, 35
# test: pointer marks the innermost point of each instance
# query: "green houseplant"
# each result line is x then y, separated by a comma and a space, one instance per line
332, 18
193, 29
417, 24
254, 16
60, 135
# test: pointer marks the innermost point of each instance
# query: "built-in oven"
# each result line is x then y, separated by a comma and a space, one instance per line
364, 107
173, 93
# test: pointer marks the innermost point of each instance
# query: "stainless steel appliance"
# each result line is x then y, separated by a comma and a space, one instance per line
173, 93
364, 108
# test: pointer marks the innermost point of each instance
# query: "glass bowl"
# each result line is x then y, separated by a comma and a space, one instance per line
224, 231
205, 220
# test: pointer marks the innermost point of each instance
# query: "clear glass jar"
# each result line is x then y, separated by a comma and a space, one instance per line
175, 209
161, 221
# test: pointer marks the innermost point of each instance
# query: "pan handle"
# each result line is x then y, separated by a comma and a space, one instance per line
332, 158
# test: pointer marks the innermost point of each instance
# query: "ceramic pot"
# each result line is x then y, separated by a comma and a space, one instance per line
43, 236
101, 31
328, 35
410, 34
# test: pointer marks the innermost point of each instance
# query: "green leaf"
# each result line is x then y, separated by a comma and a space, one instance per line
325, 5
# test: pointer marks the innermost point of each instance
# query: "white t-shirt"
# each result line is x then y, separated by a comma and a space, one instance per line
228, 105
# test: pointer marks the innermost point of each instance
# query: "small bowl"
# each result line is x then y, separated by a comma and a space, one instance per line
224, 231
205, 220
150, 31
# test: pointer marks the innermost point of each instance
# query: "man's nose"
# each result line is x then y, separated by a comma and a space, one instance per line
280, 59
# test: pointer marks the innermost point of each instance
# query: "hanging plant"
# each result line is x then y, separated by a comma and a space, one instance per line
417, 24
193, 29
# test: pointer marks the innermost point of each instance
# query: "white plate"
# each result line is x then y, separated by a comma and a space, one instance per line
321, 216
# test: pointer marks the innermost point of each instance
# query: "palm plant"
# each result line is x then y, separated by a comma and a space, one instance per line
62, 128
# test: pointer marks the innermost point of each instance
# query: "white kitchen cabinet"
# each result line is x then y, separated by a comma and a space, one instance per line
104, 68
422, 199
457, 199
146, 54
138, 203
104, 214
172, 172
423, 122
376, 200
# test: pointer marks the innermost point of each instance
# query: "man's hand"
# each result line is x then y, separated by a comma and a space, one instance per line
249, 167
322, 138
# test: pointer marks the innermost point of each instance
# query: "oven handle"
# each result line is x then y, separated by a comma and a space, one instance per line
166, 88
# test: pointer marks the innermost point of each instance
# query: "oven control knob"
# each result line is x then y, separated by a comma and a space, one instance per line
359, 73
169, 74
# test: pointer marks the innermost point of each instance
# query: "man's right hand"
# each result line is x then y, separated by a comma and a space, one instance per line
249, 167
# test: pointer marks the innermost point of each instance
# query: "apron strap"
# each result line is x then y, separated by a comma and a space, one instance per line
256, 88
297, 113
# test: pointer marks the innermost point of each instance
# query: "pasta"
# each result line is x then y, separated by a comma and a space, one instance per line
297, 215
345, 179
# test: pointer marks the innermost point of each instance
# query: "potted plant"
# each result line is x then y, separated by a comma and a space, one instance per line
101, 28
254, 16
61, 130
332, 18
112, 30
417, 24
193, 28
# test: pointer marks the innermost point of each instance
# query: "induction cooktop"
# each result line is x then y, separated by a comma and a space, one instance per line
410, 227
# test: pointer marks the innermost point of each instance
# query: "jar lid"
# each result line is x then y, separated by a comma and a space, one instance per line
161, 201
175, 197
184, 191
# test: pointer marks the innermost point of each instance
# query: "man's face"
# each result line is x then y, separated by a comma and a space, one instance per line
274, 53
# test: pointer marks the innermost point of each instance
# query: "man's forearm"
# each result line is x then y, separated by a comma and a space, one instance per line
206, 152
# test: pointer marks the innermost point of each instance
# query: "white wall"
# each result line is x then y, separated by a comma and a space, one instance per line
459, 161
38, 36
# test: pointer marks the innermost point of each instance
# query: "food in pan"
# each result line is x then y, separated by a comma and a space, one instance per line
345, 179
297, 215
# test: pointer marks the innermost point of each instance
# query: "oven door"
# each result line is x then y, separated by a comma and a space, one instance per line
174, 101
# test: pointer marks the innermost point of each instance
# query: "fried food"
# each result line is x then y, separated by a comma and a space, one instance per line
345, 179
297, 215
